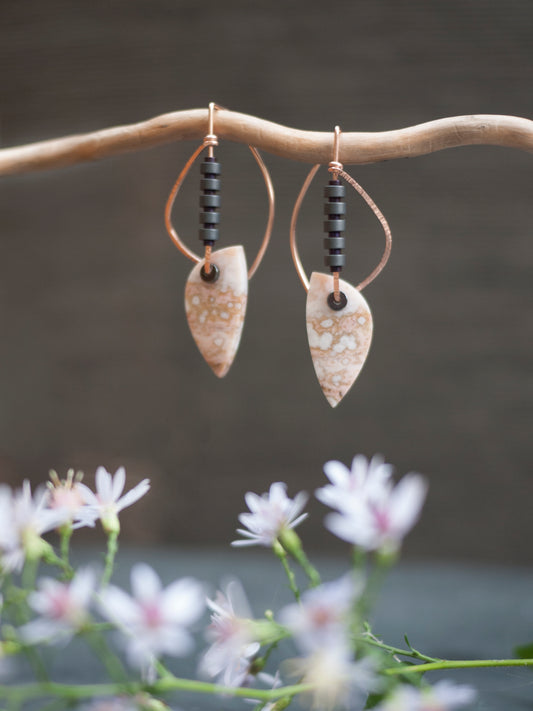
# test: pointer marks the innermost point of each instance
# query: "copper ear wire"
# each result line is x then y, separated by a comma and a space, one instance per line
384, 224
292, 234
209, 141
337, 169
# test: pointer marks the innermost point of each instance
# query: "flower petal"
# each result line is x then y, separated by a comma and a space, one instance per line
104, 490
88, 496
118, 607
145, 583
133, 495
337, 472
119, 480
406, 503
183, 601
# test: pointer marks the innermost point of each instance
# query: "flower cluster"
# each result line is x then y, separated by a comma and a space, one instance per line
25, 517
320, 625
154, 620
370, 511
339, 663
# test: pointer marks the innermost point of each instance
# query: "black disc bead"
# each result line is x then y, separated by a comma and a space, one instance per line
335, 191
208, 167
209, 218
335, 260
209, 200
337, 305
210, 276
334, 208
208, 234
334, 242
334, 225
209, 184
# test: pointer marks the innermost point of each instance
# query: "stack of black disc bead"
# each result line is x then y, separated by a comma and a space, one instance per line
334, 225
209, 201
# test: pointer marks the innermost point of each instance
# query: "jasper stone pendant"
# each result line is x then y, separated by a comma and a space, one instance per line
215, 310
339, 340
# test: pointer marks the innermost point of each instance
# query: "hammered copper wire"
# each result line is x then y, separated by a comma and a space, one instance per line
336, 287
366, 197
209, 141
207, 258
381, 217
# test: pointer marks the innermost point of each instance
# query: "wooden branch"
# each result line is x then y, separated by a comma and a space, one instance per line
306, 146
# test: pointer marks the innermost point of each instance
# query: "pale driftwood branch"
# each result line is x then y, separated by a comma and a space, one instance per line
305, 146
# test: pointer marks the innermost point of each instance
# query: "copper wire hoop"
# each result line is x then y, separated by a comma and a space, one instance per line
336, 168
209, 142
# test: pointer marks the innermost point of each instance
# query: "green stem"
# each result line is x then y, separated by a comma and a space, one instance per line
269, 651
281, 553
373, 585
412, 653
458, 664
65, 536
52, 558
29, 574
358, 558
169, 683
161, 669
111, 662
309, 569
20, 614
112, 548
292, 543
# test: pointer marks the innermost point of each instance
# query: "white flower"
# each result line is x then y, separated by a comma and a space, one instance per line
336, 680
271, 515
66, 494
443, 696
381, 519
321, 618
23, 520
108, 502
154, 620
232, 645
63, 608
355, 484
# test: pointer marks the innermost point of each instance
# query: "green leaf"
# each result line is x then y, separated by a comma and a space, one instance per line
524, 651
374, 700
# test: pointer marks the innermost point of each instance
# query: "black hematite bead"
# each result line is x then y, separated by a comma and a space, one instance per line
334, 190
334, 225
210, 276
337, 305
209, 205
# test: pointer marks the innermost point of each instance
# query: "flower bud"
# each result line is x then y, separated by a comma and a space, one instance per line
291, 542
110, 522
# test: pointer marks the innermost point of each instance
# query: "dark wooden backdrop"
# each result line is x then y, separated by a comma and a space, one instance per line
96, 362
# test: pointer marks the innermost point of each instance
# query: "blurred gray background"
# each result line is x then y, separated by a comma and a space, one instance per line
97, 364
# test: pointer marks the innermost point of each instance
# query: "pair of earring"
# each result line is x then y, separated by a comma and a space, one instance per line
339, 321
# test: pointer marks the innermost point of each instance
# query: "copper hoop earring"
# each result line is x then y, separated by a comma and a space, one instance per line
216, 290
339, 321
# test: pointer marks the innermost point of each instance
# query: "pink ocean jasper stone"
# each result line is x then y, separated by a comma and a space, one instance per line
215, 310
339, 340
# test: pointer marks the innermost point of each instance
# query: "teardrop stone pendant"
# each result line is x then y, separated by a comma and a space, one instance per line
339, 340
215, 310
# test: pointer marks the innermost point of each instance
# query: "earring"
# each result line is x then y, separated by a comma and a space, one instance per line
339, 321
216, 290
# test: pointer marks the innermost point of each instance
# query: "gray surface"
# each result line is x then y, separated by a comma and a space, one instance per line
451, 611
97, 365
